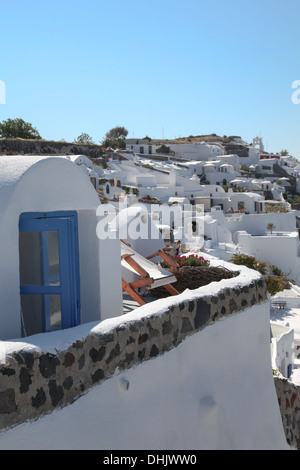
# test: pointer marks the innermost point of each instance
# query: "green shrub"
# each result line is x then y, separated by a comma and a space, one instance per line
276, 284
276, 280
250, 261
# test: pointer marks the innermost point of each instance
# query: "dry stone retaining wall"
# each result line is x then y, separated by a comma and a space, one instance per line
45, 147
33, 383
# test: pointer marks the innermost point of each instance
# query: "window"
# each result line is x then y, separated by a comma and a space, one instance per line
141, 149
49, 271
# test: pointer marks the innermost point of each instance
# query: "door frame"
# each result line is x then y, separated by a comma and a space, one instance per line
66, 224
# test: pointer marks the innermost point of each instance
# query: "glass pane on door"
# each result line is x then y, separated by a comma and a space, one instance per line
39, 258
32, 314
30, 259
40, 312
54, 311
53, 259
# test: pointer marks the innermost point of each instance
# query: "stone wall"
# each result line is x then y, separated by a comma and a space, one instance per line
45, 147
34, 382
236, 149
289, 402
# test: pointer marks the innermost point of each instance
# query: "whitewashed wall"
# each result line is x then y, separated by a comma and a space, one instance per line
280, 250
256, 224
282, 348
40, 184
197, 151
214, 391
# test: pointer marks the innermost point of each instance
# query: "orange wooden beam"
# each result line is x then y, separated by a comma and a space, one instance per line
135, 265
141, 283
171, 289
162, 253
126, 287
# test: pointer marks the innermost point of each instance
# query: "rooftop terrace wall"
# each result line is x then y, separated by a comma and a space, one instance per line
48, 371
218, 337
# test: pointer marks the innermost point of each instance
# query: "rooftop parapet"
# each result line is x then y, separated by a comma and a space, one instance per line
48, 371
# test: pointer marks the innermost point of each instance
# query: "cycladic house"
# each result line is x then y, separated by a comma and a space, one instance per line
55, 273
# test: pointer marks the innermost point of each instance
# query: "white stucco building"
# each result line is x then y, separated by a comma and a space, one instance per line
282, 349
185, 151
278, 248
219, 172
53, 271
197, 150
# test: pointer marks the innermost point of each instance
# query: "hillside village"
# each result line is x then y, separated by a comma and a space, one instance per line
212, 198
248, 197
149, 228
240, 193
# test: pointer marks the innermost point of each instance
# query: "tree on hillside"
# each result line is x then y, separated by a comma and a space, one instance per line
115, 137
13, 128
84, 138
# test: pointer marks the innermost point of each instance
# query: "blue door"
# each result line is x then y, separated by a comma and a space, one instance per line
49, 271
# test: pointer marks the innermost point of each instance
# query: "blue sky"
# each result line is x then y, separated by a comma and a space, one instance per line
163, 68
